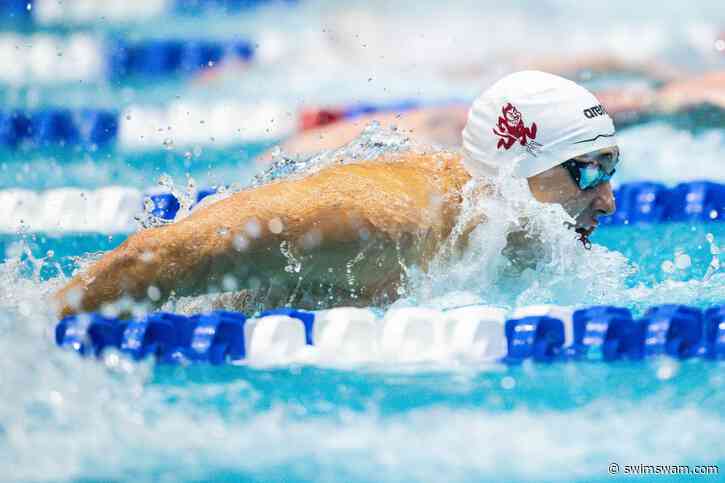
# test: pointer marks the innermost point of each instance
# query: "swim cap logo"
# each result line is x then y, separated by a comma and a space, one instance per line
511, 128
594, 111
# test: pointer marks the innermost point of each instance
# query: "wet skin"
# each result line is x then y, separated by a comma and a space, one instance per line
341, 236
585, 206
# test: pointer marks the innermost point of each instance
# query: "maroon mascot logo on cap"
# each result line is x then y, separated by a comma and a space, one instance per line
511, 128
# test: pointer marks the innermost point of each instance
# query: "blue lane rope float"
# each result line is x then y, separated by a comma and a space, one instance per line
19, 11
603, 333
58, 127
226, 6
647, 202
170, 57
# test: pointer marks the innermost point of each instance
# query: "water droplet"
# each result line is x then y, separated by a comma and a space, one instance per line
275, 226
667, 370
229, 283
168, 144
240, 243
154, 293
508, 382
252, 228
683, 261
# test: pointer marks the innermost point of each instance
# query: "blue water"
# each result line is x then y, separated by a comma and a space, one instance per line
121, 421
640, 244
63, 418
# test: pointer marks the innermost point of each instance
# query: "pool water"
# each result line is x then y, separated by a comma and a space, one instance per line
64, 418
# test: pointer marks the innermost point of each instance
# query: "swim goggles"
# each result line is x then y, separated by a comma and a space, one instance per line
589, 172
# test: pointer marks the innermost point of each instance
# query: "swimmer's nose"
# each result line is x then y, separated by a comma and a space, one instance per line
604, 201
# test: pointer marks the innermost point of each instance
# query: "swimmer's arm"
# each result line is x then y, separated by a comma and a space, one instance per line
237, 235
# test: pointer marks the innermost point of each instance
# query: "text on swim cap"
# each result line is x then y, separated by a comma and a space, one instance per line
594, 111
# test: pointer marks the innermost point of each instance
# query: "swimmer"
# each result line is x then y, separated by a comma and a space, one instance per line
343, 235
680, 95
440, 126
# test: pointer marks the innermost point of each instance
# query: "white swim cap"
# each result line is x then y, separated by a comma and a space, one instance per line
533, 121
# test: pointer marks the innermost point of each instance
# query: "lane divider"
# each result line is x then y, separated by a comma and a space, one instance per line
180, 124
139, 127
58, 127
115, 209
50, 59
82, 12
647, 202
475, 333
171, 57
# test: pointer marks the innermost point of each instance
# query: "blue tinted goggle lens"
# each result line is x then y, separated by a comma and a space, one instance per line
587, 175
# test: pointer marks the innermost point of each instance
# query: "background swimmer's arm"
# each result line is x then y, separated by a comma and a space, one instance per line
432, 125
242, 234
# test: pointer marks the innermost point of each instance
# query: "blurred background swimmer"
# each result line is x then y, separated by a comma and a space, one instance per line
352, 229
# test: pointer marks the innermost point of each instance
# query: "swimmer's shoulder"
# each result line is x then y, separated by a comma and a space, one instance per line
443, 166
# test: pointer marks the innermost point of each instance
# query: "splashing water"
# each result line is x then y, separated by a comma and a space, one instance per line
373, 142
523, 253
715, 261
67, 418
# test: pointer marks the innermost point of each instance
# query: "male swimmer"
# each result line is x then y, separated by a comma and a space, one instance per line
344, 234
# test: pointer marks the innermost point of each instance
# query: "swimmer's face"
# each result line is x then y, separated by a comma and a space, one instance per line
556, 185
